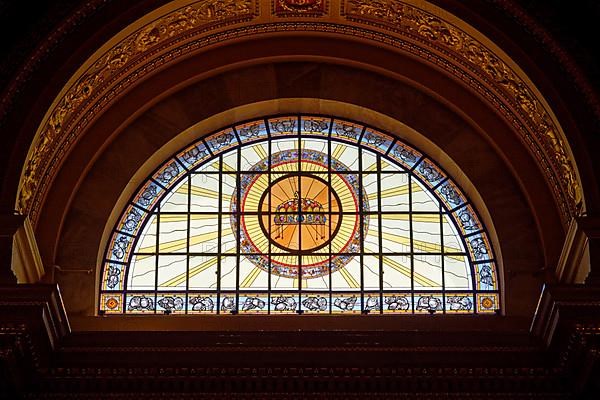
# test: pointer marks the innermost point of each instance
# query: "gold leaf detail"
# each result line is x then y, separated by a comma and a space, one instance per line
402, 17
200, 14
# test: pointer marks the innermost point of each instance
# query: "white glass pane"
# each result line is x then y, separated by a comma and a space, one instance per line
252, 155
395, 233
173, 233
457, 273
370, 187
394, 195
147, 241
345, 154
204, 193
204, 233
396, 272
427, 272
141, 274
172, 272
427, 234
347, 277
177, 199
252, 276
422, 199
228, 273
203, 273
371, 272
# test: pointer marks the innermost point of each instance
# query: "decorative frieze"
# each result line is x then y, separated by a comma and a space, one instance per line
432, 30
400, 25
300, 8
57, 130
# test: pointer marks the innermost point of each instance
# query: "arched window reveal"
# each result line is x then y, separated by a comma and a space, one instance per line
299, 214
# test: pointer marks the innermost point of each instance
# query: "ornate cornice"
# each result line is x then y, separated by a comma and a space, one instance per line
315, 381
102, 365
394, 23
289, 395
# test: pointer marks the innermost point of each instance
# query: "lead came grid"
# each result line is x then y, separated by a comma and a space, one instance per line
379, 241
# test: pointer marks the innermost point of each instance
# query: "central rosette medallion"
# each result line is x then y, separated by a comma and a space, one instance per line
300, 215
304, 211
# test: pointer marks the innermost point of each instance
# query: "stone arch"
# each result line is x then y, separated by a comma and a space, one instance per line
406, 80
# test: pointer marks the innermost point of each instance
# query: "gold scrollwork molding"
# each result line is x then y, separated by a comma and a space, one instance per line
201, 15
412, 21
398, 24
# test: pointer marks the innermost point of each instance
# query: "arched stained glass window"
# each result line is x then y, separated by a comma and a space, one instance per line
299, 214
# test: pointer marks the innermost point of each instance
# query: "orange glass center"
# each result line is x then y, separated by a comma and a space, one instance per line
300, 213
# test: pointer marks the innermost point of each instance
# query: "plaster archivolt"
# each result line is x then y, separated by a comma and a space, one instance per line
184, 27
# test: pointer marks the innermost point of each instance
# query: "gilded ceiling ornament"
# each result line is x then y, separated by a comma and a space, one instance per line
403, 17
299, 6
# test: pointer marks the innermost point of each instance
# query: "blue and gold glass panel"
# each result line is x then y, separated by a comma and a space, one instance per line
299, 214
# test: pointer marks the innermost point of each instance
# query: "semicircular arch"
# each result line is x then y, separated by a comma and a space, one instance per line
403, 235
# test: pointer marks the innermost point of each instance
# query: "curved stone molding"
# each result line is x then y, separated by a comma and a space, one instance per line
405, 27
408, 20
199, 17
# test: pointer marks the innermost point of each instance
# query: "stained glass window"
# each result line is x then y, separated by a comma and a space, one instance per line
299, 214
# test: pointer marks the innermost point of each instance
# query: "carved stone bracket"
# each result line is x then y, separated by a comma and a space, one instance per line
26, 260
568, 323
9, 225
18, 244
590, 226
580, 252
35, 310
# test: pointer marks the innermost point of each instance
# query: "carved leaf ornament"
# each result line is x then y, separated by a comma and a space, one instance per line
83, 99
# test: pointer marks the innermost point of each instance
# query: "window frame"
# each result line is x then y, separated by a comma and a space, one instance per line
393, 143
